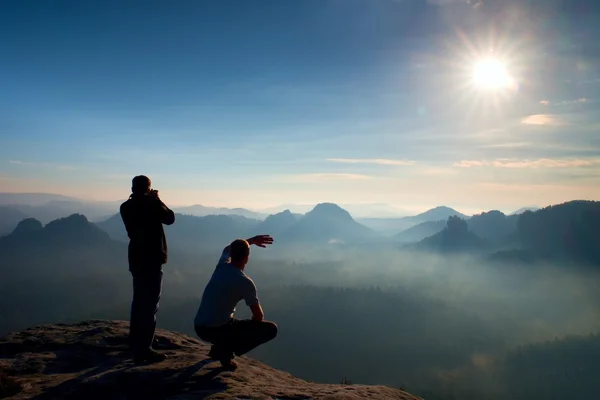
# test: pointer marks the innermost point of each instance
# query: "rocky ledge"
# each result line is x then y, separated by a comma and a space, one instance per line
90, 360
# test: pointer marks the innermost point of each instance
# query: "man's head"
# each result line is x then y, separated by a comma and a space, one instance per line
140, 184
239, 251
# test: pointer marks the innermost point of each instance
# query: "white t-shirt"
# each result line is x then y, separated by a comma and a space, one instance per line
227, 286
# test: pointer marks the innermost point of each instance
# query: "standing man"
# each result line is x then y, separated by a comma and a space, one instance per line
214, 322
144, 215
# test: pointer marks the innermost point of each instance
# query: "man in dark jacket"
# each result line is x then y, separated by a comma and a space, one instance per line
144, 215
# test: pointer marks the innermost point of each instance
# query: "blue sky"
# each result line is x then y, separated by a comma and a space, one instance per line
239, 103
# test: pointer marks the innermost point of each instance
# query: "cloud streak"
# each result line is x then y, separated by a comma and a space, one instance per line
376, 161
540, 163
327, 177
565, 102
42, 165
474, 3
541, 119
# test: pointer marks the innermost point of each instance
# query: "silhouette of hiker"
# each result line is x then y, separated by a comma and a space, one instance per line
144, 215
214, 322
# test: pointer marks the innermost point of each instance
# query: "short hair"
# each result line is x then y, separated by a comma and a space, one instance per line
140, 184
239, 249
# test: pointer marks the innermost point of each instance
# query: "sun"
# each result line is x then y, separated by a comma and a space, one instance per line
491, 73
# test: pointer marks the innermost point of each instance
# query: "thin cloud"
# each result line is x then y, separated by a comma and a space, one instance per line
378, 161
569, 102
509, 145
17, 162
438, 171
320, 177
42, 165
540, 163
470, 164
474, 3
540, 119
528, 187
581, 100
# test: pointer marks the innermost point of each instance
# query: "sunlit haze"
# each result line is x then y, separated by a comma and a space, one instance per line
412, 104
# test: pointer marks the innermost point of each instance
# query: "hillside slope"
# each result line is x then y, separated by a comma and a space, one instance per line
89, 360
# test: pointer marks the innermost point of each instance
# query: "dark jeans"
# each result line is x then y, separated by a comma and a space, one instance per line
238, 336
147, 288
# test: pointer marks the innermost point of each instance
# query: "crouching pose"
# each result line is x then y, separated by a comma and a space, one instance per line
215, 323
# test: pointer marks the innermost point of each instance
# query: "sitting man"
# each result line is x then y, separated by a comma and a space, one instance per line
214, 322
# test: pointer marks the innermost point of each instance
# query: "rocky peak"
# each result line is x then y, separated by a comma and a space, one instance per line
329, 210
28, 225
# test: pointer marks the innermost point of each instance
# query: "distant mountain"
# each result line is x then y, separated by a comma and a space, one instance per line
327, 223
523, 209
201, 211
454, 238
568, 231
438, 213
9, 218
373, 210
357, 210
71, 245
62, 207
27, 227
494, 226
51, 272
278, 224
568, 234
294, 208
70, 231
392, 226
420, 231
32, 199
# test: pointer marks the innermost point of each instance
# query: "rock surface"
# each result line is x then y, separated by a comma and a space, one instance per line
90, 360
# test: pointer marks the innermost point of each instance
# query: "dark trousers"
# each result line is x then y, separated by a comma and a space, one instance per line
147, 288
238, 336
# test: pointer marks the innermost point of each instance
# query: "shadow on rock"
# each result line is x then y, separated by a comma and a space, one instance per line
131, 382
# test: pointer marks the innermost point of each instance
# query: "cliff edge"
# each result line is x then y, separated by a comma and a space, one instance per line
90, 360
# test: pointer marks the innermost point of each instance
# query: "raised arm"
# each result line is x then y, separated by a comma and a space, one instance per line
260, 240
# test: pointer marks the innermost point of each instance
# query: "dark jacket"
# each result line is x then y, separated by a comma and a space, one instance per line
144, 217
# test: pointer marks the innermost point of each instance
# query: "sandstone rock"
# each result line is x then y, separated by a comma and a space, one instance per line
90, 360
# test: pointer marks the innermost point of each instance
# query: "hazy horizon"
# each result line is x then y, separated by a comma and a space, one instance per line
357, 210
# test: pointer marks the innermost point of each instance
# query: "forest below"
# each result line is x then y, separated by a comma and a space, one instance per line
442, 324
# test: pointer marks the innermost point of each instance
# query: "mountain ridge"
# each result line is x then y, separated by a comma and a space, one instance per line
394, 226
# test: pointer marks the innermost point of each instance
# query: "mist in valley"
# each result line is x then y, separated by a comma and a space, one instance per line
439, 317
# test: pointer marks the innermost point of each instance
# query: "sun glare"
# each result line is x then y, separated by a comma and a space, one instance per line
492, 74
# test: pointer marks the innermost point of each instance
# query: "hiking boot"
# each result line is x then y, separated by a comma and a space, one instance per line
228, 364
218, 353
151, 357
214, 353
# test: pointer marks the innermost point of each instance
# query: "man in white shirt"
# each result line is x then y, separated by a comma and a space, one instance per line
214, 321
